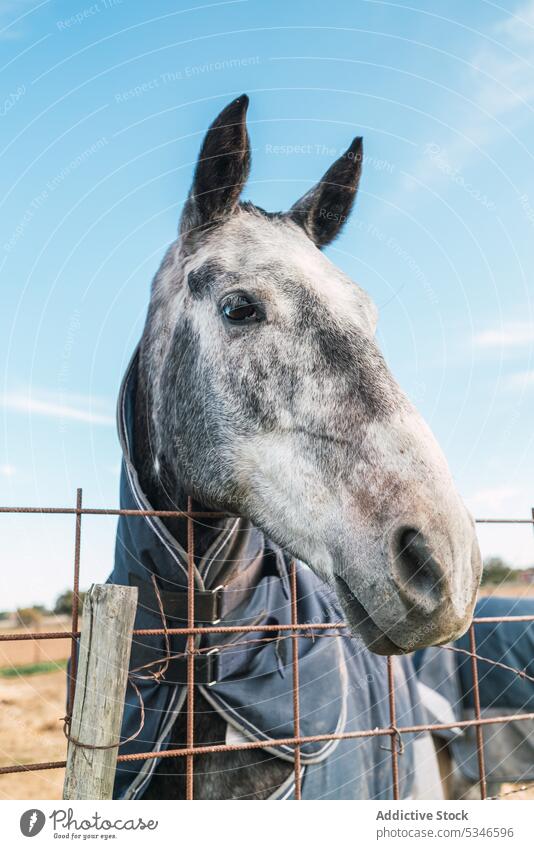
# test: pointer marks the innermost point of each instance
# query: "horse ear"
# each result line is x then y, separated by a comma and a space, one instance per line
222, 169
323, 210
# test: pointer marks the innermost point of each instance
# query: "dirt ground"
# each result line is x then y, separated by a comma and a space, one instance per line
31, 707
36, 651
30, 730
508, 590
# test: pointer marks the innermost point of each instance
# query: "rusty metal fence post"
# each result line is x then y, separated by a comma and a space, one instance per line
75, 601
296, 696
191, 640
395, 734
478, 714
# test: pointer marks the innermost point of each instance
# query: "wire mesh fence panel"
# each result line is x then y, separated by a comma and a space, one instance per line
293, 632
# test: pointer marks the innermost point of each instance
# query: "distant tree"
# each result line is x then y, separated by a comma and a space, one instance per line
496, 570
63, 605
4, 614
29, 616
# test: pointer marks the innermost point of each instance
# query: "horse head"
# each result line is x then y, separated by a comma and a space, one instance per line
267, 396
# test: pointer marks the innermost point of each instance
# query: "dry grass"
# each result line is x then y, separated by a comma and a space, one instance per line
510, 590
30, 731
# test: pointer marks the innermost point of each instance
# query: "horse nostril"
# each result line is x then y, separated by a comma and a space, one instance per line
416, 570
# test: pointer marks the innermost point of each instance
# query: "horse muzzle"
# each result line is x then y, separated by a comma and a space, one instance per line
419, 593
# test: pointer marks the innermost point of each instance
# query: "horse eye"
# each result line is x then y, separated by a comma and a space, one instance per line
238, 309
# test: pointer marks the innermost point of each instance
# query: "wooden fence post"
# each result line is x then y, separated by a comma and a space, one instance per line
104, 656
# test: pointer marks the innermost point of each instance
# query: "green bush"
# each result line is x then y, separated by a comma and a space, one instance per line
63, 605
29, 616
496, 571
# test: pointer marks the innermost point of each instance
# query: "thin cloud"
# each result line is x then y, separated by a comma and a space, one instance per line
500, 85
494, 498
17, 11
521, 380
520, 26
514, 334
60, 406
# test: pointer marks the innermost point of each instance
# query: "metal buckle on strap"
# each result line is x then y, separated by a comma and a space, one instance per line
217, 604
212, 666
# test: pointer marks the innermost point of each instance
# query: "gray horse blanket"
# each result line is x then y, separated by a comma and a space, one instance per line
509, 746
342, 684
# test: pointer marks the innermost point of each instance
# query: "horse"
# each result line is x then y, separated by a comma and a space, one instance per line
261, 392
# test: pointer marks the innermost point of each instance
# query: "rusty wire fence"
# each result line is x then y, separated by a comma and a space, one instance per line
294, 631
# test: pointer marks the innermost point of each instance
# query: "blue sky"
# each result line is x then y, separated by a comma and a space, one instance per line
102, 110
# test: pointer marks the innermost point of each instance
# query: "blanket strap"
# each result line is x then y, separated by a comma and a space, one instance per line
207, 666
211, 605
